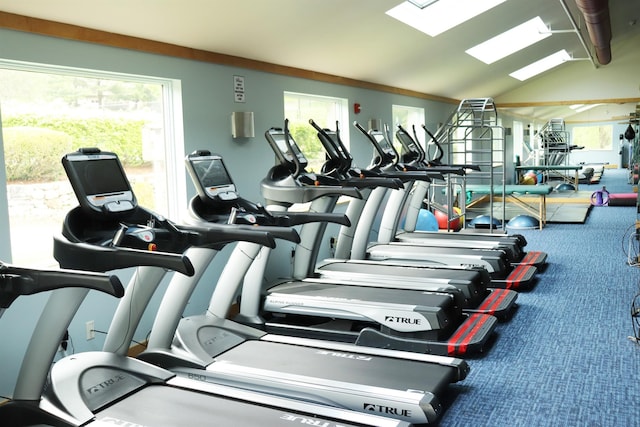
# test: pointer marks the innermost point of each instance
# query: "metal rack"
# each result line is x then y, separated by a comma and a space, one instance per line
473, 137
554, 143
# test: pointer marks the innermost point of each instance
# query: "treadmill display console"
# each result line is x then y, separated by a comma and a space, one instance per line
407, 142
212, 177
285, 152
99, 181
384, 144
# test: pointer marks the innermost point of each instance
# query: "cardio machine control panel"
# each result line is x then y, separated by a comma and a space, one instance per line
99, 181
105, 194
218, 200
109, 230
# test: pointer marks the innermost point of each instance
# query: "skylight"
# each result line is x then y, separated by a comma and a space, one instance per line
580, 108
422, 3
542, 65
441, 15
510, 41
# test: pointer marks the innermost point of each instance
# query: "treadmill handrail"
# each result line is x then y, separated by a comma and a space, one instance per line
299, 218
215, 234
17, 281
85, 256
334, 149
438, 158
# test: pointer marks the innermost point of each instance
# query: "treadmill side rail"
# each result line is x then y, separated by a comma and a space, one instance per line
460, 365
417, 406
292, 405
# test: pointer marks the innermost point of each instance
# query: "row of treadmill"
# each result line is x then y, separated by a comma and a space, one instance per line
374, 336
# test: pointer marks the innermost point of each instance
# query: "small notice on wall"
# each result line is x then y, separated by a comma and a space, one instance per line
238, 88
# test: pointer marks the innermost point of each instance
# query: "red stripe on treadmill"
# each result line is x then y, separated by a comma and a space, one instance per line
462, 338
488, 302
493, 301
531, 257
519, 272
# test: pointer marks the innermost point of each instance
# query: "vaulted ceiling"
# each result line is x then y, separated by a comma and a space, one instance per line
358, 40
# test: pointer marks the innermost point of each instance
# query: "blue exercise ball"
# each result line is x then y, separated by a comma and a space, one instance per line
426, 221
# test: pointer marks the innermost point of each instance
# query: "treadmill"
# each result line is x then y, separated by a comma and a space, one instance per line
422, 318
355, 244
512, 245
16, 282
110, 231
472, 282
243, 359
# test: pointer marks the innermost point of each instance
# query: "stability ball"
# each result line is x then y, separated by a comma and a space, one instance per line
529, 178
454, 223
426, 221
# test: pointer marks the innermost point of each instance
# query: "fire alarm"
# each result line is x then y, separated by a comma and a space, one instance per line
356, 108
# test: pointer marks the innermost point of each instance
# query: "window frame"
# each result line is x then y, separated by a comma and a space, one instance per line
173, 131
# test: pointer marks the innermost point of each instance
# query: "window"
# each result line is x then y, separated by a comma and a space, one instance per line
437, 17
593, 137
511, 41
542, 65
299, 108
49, 111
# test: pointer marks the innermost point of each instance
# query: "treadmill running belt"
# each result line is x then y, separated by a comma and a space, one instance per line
162, 406
340, 366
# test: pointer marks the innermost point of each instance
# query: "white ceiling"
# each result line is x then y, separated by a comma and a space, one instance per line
356, 39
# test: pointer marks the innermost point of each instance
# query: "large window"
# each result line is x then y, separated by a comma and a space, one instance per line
50, 111
299, 108
593, 137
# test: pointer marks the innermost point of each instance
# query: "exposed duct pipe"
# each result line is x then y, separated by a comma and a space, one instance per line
598, 22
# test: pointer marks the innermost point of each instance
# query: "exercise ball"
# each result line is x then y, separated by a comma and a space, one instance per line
529, 178
426, 221
454, 223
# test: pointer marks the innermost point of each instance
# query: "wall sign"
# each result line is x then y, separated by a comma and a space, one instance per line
238, 89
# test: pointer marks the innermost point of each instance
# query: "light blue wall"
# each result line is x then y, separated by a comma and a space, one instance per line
208, 101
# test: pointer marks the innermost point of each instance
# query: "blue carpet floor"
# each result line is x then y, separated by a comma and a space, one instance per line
565, 358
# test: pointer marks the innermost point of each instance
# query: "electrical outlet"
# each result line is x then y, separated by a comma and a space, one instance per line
90, 330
